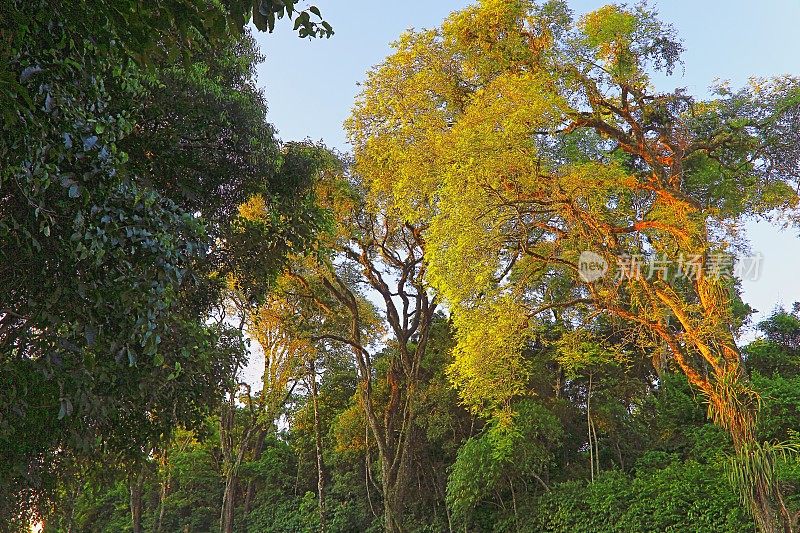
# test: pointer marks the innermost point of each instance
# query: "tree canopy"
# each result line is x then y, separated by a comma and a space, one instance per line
132, 133
514, 307
523, 138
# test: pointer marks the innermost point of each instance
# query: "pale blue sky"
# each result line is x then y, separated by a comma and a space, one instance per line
310, 85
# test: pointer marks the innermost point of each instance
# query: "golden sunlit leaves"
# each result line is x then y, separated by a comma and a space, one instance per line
489, 370
493, 35
519, 139
610, 30
580, 349
273, 326
255, 209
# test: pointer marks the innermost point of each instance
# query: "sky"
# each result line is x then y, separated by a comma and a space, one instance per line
310, 85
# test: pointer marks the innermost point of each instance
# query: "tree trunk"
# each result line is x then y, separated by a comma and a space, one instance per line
318, 445
394, 455
71, 517
514, 504
229, 468
251, 484
392, 512
163, 496
409, 312
233, 462
441, 494
368, 479
589, 426
136, 484
228, 503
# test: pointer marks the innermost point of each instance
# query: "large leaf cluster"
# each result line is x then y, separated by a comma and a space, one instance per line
132, 131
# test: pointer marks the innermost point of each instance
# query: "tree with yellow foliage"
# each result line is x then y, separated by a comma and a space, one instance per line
518, 138
365, 289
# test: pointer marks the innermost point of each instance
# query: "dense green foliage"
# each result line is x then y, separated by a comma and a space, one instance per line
662, 463
132, 132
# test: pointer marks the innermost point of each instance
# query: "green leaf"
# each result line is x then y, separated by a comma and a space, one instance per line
65, 409
259, 19
90, 334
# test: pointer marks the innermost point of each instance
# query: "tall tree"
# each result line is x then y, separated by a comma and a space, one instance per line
284, 357
521, 138
370, 247
108, 263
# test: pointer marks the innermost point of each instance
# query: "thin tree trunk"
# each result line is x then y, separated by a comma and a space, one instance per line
368, 471
163, 496
229, 502
136, 484
589, 426
318, 445
514, 504
442, 496
786, 517
449, 518
232, 485
619, 454
596, 448
71, 518
251, 484
441, 493
559, 380
230, 468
